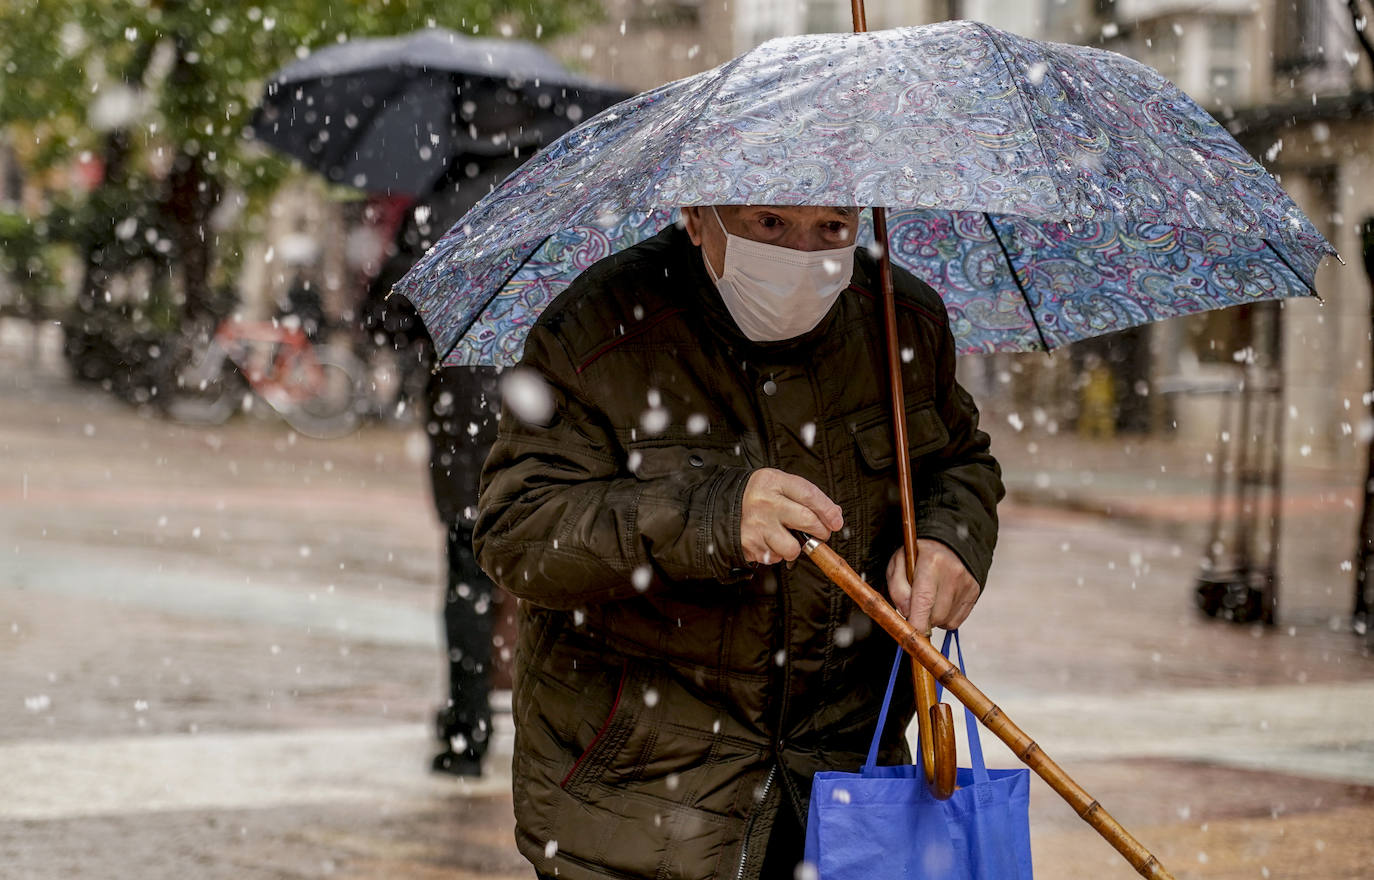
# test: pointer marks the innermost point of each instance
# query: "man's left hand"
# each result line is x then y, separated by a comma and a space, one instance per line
944, 593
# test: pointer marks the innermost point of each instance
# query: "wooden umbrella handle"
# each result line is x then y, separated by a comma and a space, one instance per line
936, 723
935, 726
945, 778
1025, 748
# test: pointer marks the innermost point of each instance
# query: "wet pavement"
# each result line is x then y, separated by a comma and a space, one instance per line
221, 658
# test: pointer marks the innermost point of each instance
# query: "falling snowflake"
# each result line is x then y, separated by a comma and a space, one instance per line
641, 577
527, 396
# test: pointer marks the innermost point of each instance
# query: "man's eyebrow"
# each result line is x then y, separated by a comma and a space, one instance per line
847, 211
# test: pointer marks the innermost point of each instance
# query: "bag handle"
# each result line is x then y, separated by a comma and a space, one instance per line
882, 716
975, 745
975, 742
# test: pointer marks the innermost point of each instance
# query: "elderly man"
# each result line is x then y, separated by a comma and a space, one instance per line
681, 675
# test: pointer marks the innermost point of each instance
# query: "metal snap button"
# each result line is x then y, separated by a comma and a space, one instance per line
770, 387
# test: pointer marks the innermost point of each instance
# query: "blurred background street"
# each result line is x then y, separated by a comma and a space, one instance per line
221, 635
222, 657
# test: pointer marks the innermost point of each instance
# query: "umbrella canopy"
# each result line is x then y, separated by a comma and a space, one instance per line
393, 114
1049, 192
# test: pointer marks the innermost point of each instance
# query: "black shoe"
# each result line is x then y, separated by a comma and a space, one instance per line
1230, 595
458, 765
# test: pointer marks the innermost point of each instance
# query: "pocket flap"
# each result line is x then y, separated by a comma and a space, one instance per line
925, 433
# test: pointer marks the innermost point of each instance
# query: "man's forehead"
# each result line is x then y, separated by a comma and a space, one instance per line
846, 211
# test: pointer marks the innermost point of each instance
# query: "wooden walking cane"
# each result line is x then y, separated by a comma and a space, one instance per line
919, 647
934, 720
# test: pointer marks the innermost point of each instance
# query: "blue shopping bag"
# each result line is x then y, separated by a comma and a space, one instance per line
883, 822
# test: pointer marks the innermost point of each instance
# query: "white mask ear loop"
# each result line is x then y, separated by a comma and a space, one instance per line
707, 260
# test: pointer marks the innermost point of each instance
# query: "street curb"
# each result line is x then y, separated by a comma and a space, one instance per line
1102, 509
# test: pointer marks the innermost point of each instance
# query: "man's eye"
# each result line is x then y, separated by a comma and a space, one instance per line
770, 222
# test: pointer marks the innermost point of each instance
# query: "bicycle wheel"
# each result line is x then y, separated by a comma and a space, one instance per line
201, 401
331, 408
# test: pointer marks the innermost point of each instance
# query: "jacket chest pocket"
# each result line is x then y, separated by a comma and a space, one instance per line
872, 432
874, 465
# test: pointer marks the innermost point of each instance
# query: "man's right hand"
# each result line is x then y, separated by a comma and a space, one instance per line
775, 502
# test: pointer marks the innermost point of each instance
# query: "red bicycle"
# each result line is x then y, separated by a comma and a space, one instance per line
317, 389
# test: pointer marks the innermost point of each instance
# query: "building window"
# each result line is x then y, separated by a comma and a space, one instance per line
667, 13
1224, 35
1222, 84
1227, 80
1298, 27
827, 16
1161, 51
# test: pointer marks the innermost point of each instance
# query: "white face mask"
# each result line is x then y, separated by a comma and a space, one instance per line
776, 293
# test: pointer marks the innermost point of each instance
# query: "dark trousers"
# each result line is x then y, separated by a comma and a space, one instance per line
786, 844
467, 628
462, 426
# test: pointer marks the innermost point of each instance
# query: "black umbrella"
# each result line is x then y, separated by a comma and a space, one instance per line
394, 114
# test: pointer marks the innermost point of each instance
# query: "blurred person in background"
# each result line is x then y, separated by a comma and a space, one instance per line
459, 414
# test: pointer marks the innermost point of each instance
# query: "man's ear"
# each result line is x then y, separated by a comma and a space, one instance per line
691, 220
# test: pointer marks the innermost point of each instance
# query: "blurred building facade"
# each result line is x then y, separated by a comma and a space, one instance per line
1290, 81
645, 43
1286, 76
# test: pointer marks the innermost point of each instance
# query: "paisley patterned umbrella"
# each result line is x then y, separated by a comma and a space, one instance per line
1048, 192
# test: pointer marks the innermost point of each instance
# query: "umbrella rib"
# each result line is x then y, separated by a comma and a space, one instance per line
727, 69
478, 312
1016, 276
1296, 274
1030, 117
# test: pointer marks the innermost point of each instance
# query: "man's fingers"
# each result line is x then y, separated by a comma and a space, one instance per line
898, 590
961, 613
919, 620
782, 547
922, 603
770, 546
802, 518
923, 592
940, 610
776, 501
806, 493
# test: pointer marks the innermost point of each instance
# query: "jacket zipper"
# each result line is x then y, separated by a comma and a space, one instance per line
772, 771
749, 828
782, 573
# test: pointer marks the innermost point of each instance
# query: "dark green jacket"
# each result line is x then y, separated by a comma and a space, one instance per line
668, 695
